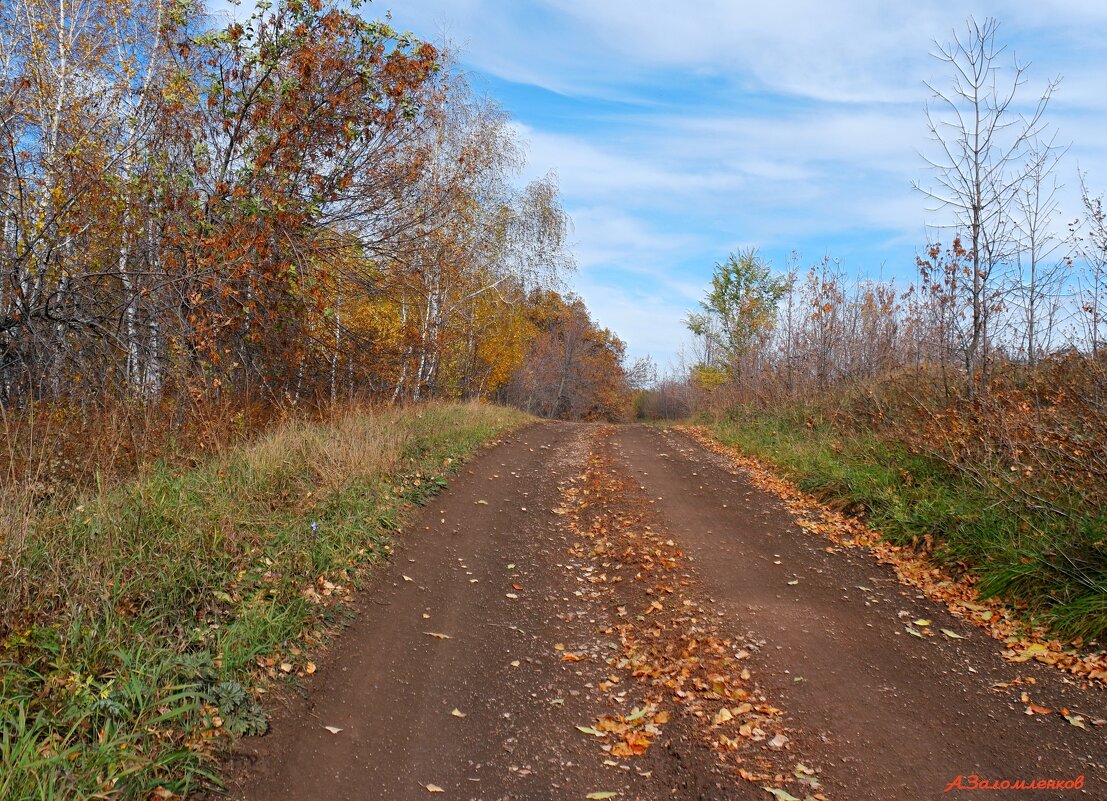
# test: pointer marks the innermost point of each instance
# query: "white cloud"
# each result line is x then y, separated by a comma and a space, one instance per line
650, 323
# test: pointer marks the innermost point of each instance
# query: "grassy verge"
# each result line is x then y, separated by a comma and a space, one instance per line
1048, 560
140, 626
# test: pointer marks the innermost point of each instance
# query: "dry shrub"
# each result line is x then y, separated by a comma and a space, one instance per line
1044, 430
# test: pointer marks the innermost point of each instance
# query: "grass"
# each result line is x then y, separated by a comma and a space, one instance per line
142, 624
1051, 562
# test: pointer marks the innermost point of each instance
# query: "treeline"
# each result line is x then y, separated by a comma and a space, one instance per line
303, 206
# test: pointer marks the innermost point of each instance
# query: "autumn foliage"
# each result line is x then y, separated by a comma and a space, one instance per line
205, 219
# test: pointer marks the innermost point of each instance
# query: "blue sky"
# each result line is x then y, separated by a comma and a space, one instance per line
683, 130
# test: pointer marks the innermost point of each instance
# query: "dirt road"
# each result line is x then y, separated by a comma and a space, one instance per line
594, 610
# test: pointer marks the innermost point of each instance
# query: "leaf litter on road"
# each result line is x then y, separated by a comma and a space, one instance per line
670, 643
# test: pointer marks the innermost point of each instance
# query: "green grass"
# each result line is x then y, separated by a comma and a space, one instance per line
140, 615
1052, 563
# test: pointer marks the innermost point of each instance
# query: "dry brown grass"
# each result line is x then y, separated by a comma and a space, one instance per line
357, 445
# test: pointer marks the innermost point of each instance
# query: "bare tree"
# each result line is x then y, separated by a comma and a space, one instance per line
1089, 235
1041, 275
980, 163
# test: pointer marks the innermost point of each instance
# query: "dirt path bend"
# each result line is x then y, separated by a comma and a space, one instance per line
611, 613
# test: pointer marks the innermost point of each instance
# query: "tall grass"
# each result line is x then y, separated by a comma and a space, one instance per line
138, 622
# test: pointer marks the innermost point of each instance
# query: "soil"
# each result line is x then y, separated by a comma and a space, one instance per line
525, 559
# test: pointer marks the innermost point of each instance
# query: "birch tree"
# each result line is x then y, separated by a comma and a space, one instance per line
981, 137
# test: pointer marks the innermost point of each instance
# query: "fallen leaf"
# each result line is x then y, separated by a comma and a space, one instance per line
309, 668
953, 635
591, 730
922, 622
1034, 709
914, 632
457, 713
438, 635
483, 502
783, 795
601, 794
722, 716
408, 578
1076, 720
434, 788
794, 582
778, 742
332, 729
286, 667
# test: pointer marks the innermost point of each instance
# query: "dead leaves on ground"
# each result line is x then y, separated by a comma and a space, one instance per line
630, 735
667, 641
916, 570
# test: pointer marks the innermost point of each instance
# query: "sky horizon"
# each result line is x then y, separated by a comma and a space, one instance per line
681, 135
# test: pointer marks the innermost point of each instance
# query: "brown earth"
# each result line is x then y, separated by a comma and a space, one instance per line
561, 562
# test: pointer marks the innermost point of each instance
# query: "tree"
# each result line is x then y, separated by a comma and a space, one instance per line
573, 368
739, 310
1089, 239
981, 139
1040, 276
